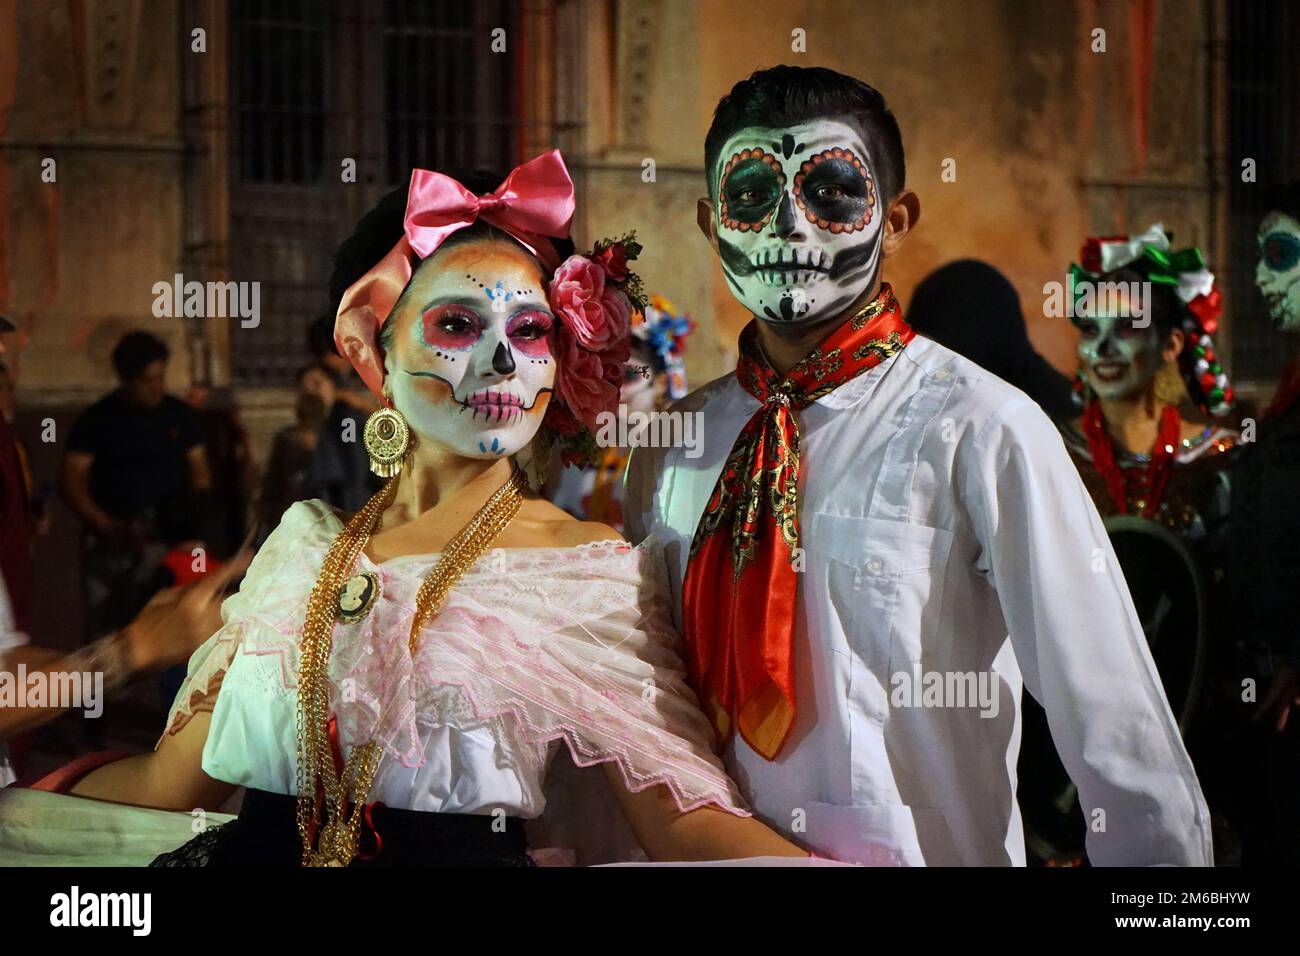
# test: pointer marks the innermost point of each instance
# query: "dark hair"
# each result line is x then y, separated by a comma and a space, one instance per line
783, 96
324, 369
135, 352
381, 228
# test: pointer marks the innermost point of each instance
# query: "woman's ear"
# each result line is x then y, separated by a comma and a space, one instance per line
904, 213
1173, 345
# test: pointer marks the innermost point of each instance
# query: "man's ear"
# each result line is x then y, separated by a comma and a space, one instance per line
904, 213
704, 219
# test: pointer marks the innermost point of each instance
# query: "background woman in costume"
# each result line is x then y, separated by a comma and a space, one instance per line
653, 377
1146, 315
399, 728
1264, 568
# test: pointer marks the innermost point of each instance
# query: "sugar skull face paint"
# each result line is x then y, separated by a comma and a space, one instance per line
798, 218
1278, 272
469, 358
1119, 360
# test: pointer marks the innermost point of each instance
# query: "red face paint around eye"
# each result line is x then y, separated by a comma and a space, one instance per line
529, 332
450, 327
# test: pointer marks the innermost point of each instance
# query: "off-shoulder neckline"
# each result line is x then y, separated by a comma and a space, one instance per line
586, 546
329, 517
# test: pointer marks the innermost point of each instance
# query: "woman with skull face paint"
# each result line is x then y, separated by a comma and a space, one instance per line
1264, 570
440, 685
1145, 316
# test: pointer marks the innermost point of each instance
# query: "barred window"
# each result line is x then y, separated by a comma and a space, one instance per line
318, 83
1263, 106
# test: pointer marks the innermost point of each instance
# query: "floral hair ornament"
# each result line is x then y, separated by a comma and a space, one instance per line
534, 205
1185, 272
593, 296
664, 331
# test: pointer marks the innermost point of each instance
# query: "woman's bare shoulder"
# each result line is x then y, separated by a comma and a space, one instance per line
560, 529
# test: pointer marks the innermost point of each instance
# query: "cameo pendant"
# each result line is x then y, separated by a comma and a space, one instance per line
357, 596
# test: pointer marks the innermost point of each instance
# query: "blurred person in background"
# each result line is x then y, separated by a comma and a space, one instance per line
1146, 314
339, 470
1264, 571
653, 377
135, 463
974, 309
16, 527
164, 633
288, 469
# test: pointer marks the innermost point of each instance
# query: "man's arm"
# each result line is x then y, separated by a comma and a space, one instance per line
1080, 645
196, 460
74, 483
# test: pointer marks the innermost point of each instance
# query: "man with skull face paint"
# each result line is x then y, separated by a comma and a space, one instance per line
872, 511
1264, 571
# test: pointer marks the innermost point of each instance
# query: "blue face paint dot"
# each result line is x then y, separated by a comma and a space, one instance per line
482, 447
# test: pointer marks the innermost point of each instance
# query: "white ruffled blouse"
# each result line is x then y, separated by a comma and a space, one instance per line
532, 647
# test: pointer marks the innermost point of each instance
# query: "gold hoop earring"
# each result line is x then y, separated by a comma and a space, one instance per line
388, 439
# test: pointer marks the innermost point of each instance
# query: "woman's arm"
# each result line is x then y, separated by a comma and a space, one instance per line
170, 778
666, 833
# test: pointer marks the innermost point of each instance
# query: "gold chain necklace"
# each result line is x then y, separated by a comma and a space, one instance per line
330, 804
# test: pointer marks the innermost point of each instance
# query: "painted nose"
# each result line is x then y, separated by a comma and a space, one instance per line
1262, 273
786, 219
503, 363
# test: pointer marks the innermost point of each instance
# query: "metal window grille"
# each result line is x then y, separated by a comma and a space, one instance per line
314, 82
1263, 112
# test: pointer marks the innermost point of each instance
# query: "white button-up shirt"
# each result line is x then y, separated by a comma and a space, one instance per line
949, 548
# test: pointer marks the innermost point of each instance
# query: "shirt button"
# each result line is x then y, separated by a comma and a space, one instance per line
942, 374
874, 566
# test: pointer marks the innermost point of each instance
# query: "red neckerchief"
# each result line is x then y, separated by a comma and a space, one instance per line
739, 593
1102, 450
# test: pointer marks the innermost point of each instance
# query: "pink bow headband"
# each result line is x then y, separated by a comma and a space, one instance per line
534, 204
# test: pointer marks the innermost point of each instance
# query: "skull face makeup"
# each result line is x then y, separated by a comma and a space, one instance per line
798, 219
1278, 272
1119, 360
469, 360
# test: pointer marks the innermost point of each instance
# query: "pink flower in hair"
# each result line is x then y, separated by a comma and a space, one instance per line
597, 315
581, 378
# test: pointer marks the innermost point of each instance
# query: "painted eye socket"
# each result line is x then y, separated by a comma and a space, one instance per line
530, 326
451, 327
750, 186
456, 324
1088, 329
1281, 252
835, 191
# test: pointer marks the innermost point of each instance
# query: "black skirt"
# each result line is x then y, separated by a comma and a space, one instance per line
266, 834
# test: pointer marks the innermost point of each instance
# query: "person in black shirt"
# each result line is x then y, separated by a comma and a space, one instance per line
135, 465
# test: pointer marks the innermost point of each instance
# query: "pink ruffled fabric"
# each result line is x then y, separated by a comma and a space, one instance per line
572, 645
